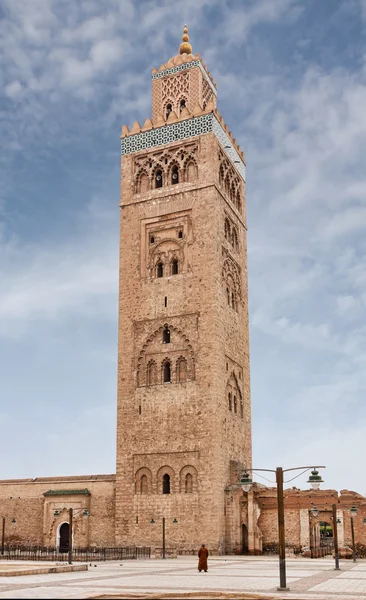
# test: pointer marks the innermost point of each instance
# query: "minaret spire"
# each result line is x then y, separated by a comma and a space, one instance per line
185, 47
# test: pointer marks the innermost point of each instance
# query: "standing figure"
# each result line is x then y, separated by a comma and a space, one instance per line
202, 559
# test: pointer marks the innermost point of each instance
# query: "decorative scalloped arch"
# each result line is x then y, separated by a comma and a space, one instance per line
230, 269
159, 331
142, 181
188, 469
144, 471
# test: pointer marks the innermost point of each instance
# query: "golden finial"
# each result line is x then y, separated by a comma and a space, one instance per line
185, 47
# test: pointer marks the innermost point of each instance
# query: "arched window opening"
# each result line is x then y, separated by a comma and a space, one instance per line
159, 269
230, 402
227, 229
182, 370
166, 335
188, 484
221, 176
168, 110
227, 185
152, 239
233, 300
228, 296
235, 405
232, 194
234, 239
143, 484
175, 266
180, 234
158, 179
166, 484
182, 105
166, 372
241, 410
175, 175
238, 202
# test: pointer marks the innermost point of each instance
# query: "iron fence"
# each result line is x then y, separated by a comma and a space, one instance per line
51, 553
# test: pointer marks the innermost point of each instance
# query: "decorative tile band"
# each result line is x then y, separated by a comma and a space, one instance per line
180, 131
184, 67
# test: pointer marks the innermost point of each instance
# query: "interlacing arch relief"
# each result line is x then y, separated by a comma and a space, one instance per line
231, 281
231, 234
174, 87
230, 182
147, 168
166, 257
234, 396
143, 481
142, 368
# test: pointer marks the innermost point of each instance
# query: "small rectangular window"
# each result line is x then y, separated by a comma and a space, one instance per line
140, 409
166, 301
137, 520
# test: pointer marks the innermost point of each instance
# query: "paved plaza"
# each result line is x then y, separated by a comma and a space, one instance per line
228, 577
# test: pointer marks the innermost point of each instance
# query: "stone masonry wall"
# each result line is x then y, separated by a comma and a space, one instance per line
23, 500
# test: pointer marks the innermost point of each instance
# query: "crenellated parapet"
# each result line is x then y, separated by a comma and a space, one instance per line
188, 124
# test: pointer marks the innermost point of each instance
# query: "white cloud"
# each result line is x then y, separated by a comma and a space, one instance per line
13, 89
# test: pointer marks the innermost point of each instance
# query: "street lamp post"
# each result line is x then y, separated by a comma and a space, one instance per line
152, 521
353, 512
315, 480
315, 511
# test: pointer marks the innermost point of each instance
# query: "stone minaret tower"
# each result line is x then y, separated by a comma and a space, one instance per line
183, 348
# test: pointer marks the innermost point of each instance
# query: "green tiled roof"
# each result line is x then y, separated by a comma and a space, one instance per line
84, 492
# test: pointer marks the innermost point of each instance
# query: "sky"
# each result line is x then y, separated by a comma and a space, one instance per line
291, 77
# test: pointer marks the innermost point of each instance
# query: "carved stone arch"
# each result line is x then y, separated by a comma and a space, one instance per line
232, 193
222, 175
181, 369
174, 164
166, 370
231, 280
234, 238
142, 182
168, 249
239, 205
151, 373
190, 170
158, 168
178, 340
233, 395
227, 184
167, 102
188, 470
227, 229
179, 100
165, 470
139, 475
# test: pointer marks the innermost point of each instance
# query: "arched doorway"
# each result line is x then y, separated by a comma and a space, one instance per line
244, 539
321, 539
63, 537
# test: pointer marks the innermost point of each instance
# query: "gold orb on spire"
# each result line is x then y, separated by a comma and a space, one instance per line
185, 47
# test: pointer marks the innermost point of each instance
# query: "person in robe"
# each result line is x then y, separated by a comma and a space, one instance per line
202, 559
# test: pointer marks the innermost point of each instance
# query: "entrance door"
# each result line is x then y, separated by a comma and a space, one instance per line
64, 537
244, 539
